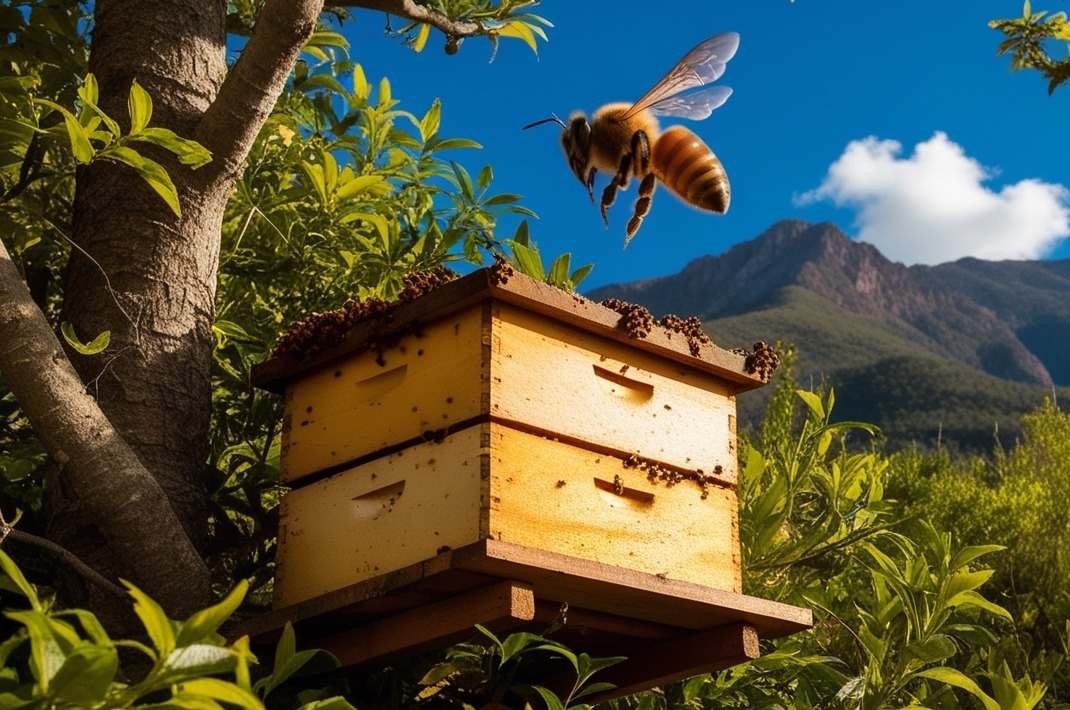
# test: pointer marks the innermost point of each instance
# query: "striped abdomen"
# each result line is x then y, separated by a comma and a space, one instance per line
688, 167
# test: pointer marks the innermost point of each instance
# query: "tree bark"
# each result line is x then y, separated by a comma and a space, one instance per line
132, 443
96, 466
148, 276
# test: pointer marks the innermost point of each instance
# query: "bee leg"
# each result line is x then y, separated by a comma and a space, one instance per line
589, 184
641, 152
619, 181
642, 206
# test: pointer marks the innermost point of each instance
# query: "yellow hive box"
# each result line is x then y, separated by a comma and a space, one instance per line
510, 411
490, 481
496, 359
495, 450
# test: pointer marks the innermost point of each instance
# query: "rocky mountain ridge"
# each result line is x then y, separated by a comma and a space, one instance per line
1008, 319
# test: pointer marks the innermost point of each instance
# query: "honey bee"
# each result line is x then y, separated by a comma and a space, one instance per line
625, 139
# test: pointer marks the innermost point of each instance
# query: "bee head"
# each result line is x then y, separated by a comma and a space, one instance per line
575, 139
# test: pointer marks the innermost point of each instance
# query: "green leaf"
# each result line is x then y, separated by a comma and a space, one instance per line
357, 185
323, 81
580, 274
80, 146
528, 260
558, 274
157, 625
315, 174
964, 581
46, 653
421, 37
15, 574
813, 402
486, 174
464, 181
187, 151
519, 30
150, 171
935, 648
196, 660
950, 676
450, 144
968, 554
86, 675
139, 104
552, 701
221, 690
88, 93
289, 661
429, 124
972, 598
97, 345
205, 622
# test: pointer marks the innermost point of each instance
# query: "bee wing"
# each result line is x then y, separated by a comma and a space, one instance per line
696, 106
702, 65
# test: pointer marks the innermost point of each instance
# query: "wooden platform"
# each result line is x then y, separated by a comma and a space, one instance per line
505, 587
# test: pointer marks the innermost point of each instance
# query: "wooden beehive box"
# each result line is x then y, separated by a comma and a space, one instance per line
500, 431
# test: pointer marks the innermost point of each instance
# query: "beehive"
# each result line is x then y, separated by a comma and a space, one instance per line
499, 429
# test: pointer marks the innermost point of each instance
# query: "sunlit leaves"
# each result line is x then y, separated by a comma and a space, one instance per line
92, 135
527, 259
74, 663
1026, 38
95, 346
495, 18
487, 669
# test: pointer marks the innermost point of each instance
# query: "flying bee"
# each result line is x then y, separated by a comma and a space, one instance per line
625, 140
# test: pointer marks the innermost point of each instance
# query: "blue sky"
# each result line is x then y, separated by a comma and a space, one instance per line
894, 120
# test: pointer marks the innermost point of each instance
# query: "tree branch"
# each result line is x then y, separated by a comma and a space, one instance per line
411, 10
130, 510
65, 555
248, 94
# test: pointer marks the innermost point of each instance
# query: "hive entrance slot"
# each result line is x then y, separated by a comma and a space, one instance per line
379, 384
625, 387
617, 495
375, 503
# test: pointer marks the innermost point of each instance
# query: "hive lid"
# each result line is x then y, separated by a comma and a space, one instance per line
500, 283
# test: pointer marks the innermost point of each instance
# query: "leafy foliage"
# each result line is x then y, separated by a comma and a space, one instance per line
488, 672
65, 659
1027, 37
904, 611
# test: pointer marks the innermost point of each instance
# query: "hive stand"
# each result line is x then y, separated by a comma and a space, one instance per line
497, 451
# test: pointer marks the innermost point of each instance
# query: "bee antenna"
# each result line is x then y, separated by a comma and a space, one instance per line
553, 117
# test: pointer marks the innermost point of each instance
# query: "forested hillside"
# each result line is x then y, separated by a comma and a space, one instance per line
952, 354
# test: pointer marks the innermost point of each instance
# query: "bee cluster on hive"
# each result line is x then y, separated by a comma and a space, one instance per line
322, 331
762, 361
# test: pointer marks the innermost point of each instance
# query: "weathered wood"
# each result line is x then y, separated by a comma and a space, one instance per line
519, 290
493, 482
588, 624
595, 585
499, 607
583, 584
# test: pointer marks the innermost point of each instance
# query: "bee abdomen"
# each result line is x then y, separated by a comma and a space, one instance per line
690, 170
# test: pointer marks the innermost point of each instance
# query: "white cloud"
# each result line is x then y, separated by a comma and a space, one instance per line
933, 206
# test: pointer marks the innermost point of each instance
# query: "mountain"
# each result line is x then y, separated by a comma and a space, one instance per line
953, 353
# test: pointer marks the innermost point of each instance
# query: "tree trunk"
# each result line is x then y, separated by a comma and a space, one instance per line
148, 276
